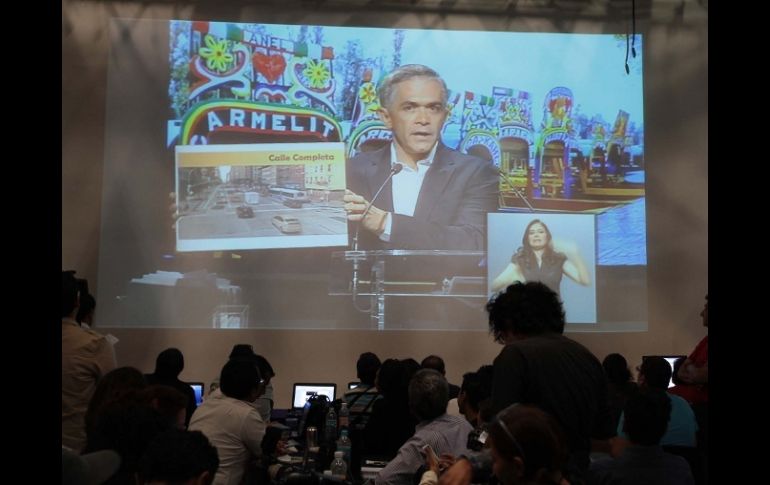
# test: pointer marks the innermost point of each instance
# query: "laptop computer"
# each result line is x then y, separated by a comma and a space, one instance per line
671, 359
302, 391
197, 388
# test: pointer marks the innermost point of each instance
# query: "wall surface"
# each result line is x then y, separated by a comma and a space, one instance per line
676, 119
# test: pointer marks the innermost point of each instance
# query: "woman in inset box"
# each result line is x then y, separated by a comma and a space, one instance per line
541, 258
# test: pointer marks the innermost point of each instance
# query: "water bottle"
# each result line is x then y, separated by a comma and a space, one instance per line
344, 445
339, 468
344, 416
330, 431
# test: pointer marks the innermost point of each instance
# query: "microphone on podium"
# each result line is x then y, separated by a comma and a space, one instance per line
515, 190
397, 167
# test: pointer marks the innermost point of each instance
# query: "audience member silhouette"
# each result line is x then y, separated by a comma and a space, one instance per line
620, 384
391, 422
168, 402
655, 373
540, 366
168, 365
231, 422
178, 457
361, 399
121, 384
528, 446
437, 363
428, 397
86, 357
643, 462
475, 393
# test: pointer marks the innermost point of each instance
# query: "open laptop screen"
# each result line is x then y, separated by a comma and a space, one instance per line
671, 359
302, 391
197, 388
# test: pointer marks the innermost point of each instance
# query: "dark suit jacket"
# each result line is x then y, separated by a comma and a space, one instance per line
451, 210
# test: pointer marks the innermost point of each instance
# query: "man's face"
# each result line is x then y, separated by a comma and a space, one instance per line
415, 114
704, 314
461, 401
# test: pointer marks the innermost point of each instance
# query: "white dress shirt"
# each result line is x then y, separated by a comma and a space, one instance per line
406, 187
235, 428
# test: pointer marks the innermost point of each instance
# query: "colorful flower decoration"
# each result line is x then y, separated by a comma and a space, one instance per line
367, 93
511, 112
216, 54
316, 73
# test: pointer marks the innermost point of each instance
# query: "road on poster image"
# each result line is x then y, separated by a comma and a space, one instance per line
221, 211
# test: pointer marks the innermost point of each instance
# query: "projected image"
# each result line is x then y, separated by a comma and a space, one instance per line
260, 196
554, 249
227, 117
563, 125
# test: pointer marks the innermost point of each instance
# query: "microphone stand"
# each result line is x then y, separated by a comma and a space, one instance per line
358, 257
515, 190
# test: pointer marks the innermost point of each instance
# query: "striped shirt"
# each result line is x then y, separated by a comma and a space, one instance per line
360, 403
445, 434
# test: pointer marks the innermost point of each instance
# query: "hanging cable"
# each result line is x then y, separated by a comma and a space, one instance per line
633, 27
633, 35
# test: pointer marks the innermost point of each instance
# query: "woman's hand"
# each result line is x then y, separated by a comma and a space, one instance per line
574, 267
458, 474
568, 248
431, 460
446, 461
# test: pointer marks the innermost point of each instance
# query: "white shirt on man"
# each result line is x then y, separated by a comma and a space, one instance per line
235, 428
406, 187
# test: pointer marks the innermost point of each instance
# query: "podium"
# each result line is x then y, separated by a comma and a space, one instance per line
373, 275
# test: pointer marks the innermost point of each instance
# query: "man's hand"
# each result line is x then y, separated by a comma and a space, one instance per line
173, 209
458, 474
355, 205
431, 460
446, 460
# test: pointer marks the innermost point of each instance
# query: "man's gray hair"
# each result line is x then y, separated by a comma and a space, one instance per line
404, 73
428, 394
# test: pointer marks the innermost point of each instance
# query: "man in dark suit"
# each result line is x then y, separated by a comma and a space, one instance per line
440, 199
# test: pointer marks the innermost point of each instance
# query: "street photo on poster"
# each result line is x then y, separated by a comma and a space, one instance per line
558, 250
259, 196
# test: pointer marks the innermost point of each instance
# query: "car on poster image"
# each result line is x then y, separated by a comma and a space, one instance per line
294, 204
244, 212
287, 224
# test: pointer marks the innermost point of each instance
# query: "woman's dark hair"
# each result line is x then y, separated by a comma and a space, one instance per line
534, 436
121, 384
166, 400
86, 308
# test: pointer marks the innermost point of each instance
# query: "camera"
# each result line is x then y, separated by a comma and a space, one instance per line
477, 438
